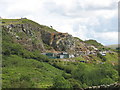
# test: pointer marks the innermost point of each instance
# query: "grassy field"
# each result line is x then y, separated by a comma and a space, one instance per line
20, 73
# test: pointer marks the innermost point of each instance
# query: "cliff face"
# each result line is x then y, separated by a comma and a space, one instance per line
38, 37
26, 35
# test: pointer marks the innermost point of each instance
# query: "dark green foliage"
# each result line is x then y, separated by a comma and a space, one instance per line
67, 67
75, 83
107, 81
88, 74
60, 82
118, 48
29, 69
95, 75
101, 57
67, 75
105, 48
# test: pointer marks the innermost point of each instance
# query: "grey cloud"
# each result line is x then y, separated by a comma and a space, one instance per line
113, 6
75, 27
77, 11
72, 12
107, 25
59, 11
51, 7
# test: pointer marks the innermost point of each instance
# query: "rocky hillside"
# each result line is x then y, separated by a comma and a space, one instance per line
43, 38
23, 65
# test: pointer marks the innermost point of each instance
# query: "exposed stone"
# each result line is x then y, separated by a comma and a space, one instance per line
36, 36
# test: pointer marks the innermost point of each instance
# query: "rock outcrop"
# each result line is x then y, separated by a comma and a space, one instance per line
34, 36
115, 86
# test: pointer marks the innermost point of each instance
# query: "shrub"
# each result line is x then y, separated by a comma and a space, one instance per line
60, 82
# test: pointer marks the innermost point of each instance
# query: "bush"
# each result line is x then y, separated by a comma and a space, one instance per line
60, 82
66, 75
101, 57
107, 81
95, 75
75, 83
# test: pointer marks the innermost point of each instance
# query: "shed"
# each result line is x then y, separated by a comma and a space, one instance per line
50, 54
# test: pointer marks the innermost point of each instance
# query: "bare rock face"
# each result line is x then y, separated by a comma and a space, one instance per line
63, 42
26, 35
115, 86
37, 37
59, 41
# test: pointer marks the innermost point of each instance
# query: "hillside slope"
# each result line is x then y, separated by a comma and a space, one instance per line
23, 66
35, 36
113, 46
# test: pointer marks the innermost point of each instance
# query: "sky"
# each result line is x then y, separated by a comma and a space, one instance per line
86, 19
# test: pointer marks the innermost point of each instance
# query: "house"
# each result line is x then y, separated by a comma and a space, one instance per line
50, 55
103, 53
58, 55
71, 56
43, 53
63, 55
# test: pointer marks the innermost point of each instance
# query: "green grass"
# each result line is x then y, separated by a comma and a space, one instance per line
27, 21
80, 58
93, 42
11, 21
29, 69
22, 73
112, 58
78, 39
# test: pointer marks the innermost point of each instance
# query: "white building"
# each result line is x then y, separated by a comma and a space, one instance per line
61, 56
103, 53
71, 56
